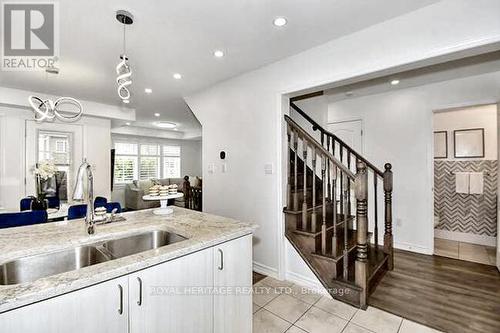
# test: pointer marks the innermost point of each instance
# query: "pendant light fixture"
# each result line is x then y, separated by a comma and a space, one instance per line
49, 110
123, 69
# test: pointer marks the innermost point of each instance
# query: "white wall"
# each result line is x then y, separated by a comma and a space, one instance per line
96, 148
244, 114
398, 129
484, 116
190, 158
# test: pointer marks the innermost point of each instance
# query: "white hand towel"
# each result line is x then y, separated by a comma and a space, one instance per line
476, 183
462, 182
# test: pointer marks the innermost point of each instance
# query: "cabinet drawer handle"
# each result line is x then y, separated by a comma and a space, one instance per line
221, 265
120, 309
139, 302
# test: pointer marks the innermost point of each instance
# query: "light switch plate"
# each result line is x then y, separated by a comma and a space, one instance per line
211, 168
268, 169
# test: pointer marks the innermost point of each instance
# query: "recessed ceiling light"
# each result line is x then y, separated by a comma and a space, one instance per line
128, 124
165, 124
177, 76
148, 90
126, 101
280, 21
157, 114
176, 129
395, 82
349, 93
218, 53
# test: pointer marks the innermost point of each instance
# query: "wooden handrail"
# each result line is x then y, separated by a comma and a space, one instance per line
319, 147
317, 126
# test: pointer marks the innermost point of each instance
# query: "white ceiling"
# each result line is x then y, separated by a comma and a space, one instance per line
179, 36
451, 70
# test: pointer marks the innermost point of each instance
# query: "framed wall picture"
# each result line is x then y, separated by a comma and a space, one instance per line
440, 144
469, 143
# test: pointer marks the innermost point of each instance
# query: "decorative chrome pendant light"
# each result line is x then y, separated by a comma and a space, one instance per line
48, 110
123, 69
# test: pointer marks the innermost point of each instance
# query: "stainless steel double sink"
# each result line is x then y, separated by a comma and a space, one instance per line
28, 269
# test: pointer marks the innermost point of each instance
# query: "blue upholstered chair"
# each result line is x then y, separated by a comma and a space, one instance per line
9, 220
112, 205
100, 202
77, 211
25, 204
54, 202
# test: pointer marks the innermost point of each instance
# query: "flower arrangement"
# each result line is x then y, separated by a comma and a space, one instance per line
45, 169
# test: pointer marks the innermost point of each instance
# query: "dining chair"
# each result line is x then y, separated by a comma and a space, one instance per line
77, 211
9, 220
25, 204
53, 202
112, 205
100, 202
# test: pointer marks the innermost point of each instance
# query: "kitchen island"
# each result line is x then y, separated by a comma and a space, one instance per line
199, 284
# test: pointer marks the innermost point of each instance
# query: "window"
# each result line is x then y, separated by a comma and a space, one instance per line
171, 161
149, 162
126, 168
61, 146
145, 161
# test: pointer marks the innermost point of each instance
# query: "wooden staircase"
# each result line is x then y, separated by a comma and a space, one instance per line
327, 212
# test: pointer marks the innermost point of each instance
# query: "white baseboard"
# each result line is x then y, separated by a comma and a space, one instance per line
465, 237
265, 270
413, 248
303, 281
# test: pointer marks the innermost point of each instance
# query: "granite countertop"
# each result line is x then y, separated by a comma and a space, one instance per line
202, 230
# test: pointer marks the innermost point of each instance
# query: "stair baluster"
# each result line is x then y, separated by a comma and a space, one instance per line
388, 240
375, 209
329, 195
334, 204
313, 215
323, 225
349, 184
289, 133
341, 152
295, 166
304, 203
361, 264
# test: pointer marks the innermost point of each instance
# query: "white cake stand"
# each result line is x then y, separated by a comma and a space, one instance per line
164, 209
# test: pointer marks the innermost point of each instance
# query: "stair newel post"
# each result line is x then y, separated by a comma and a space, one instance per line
361, 264
289, 133
304, 203
313, 215
295, 170
323, 225
388, 239
334, 208
346, 182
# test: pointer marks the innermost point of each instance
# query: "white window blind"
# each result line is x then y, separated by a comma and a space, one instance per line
125, 169
153, 150
125, 148
171, 161
149, 167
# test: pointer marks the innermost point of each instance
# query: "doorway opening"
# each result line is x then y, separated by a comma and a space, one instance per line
466, 183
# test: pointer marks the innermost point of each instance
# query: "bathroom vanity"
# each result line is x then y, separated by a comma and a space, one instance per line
185, 272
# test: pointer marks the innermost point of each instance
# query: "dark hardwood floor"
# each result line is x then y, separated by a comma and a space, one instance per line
447, 294
257, 277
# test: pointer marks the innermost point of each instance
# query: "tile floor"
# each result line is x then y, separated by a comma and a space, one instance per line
465, 251
281, 306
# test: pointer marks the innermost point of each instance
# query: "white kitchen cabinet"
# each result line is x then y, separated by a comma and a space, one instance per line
177, 296
100, 308
233, 283
173, 297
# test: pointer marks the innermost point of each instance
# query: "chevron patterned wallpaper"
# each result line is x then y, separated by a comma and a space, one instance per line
475, 214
